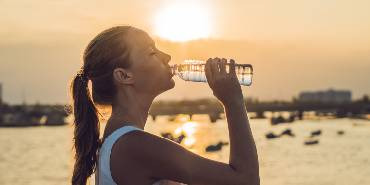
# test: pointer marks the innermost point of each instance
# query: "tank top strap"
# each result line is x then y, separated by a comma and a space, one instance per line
104, 174
111, 139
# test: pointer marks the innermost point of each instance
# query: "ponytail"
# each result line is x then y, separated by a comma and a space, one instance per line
105, 52
86, 130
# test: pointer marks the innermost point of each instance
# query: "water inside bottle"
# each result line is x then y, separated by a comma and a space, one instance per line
195, 71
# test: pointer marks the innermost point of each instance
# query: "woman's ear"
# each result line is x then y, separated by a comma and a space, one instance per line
123, 76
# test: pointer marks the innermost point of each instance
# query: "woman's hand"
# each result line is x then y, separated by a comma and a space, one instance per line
225, 86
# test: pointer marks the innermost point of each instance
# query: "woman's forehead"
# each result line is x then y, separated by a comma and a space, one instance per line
139, 39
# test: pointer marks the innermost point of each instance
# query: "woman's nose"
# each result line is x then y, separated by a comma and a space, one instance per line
167, 57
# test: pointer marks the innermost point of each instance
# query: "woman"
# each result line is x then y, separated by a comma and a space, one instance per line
127, 72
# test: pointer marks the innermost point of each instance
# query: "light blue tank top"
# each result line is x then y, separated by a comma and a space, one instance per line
103, 175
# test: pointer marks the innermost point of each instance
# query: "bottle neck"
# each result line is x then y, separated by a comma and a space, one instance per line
173, 69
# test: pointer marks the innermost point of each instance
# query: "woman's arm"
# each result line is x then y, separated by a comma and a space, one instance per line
164, 159
243, 152
226, 87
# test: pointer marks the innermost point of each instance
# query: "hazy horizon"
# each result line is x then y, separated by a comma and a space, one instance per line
293, 46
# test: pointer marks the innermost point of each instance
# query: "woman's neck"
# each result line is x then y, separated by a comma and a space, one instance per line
131, 109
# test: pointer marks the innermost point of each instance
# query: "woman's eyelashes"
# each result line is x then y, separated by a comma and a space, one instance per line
153, 51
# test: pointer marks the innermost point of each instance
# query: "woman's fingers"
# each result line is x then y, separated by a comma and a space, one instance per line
223, 67
232, 68
224, 85
214, 67
208, 71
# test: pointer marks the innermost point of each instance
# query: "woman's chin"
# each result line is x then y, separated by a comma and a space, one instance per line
169, 85
172, 82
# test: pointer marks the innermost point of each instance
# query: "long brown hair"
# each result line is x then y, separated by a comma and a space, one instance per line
102, 55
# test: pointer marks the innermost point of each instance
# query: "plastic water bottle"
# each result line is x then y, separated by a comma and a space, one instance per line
194, 70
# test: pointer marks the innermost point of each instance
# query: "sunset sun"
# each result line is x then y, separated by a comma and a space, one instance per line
182, 22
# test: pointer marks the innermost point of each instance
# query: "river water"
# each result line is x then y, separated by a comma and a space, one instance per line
42, 155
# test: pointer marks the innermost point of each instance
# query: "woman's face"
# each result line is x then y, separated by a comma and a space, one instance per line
150, 70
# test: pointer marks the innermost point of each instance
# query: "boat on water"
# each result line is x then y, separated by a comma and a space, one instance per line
28, 120
280, 119
311, 142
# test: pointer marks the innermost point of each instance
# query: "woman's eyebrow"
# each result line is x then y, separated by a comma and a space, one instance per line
148, 48
151, 45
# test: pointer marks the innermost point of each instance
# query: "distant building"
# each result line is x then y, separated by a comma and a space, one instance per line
1, 94
329, 96
1, 103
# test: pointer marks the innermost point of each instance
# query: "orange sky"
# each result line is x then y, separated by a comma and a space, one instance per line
298, 45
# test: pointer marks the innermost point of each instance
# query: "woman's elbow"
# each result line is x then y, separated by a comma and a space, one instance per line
250, 179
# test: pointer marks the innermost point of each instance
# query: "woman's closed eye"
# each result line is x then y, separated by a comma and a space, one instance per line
153, 51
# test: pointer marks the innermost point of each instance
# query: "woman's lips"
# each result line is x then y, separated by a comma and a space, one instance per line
171, 74
170, 71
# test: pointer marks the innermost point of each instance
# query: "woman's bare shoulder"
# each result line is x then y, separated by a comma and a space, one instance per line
124, 168
139, 141
154, 157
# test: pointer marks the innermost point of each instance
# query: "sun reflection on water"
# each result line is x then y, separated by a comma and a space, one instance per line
189, 128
